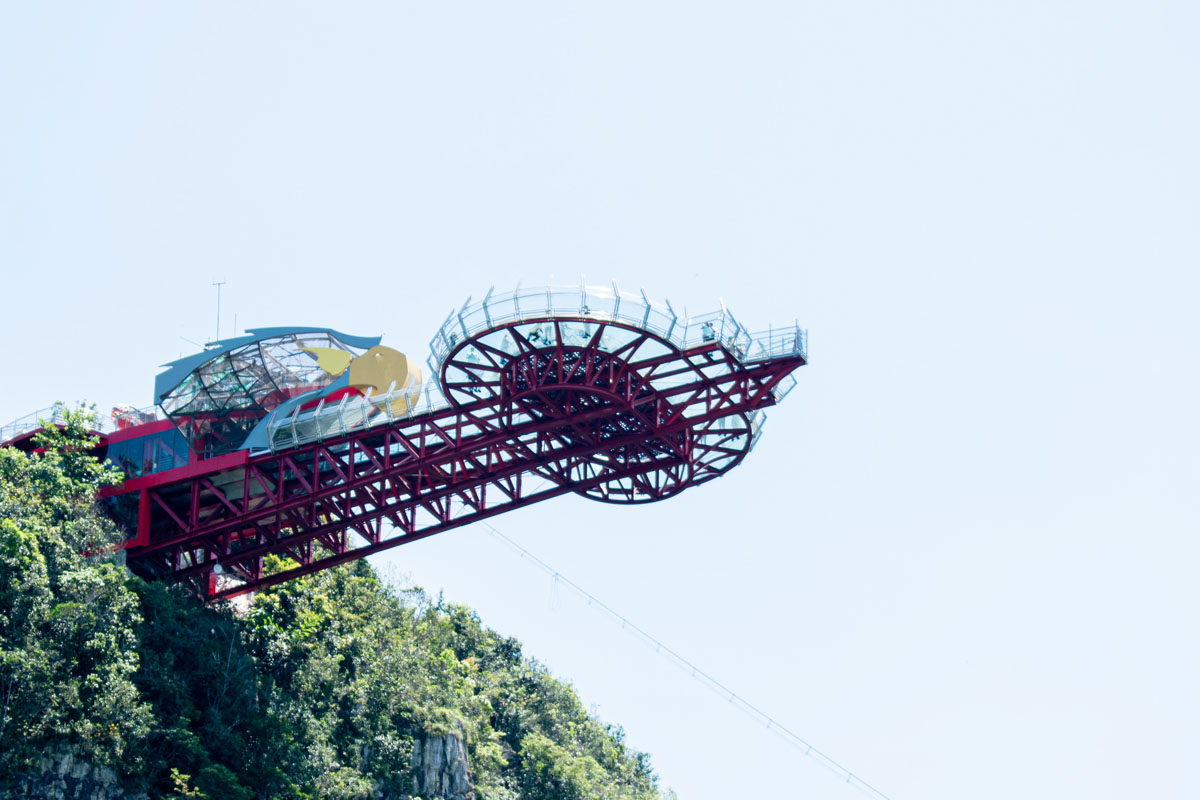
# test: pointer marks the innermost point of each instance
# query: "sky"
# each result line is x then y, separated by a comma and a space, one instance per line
962, 559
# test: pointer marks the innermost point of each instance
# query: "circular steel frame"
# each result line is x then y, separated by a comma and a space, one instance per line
605, 383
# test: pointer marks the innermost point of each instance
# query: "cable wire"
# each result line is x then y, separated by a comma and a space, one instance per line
698, 674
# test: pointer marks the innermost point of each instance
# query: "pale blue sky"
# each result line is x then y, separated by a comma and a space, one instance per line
962, 559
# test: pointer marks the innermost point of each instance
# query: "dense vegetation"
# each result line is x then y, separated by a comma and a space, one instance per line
320, 690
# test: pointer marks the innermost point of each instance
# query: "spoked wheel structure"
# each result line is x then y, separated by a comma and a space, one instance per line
607, 386
539, 393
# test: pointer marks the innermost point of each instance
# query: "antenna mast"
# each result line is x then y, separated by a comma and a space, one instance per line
218, 284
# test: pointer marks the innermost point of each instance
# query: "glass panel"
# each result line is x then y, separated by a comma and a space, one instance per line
154, 452
225, 396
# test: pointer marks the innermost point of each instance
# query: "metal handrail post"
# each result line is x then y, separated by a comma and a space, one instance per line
341, 413
484, 305
295, 433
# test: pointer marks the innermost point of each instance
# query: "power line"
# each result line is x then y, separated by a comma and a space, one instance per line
698, 674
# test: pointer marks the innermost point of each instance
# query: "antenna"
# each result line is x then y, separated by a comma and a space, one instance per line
218, 284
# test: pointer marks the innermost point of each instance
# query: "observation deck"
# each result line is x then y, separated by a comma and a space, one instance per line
543, 318
350, 450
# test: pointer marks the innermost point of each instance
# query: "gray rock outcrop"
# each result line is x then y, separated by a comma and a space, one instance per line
64, 777
440, 768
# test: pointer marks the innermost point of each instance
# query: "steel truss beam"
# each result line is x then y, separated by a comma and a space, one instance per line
549, 421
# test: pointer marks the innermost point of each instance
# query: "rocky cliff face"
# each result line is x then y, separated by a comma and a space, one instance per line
63, 777
440, 769
440, 772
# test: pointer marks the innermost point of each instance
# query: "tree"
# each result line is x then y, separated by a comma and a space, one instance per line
67, 643
321, 689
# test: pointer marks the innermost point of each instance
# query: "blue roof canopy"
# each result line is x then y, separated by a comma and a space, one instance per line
179, 369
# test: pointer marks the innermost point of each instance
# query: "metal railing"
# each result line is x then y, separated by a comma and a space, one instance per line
598, 303
605, 304
353, 413
56, 415
369, 410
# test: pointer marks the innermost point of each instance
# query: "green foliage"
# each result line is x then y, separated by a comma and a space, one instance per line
358, 671
181, 785
68, 650
217, 780
553, 772
320, 690
201, 684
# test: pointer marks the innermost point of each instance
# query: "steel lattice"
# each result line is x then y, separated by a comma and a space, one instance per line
537, 407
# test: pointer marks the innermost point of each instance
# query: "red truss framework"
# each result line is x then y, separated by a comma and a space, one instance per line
536, 408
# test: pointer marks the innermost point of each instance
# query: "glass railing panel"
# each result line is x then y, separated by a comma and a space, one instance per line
353, 414
601, 303
119, 418
782, 388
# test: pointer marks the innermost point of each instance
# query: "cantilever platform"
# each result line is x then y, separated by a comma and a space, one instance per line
537, 393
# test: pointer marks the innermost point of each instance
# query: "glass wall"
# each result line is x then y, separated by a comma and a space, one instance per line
153, 452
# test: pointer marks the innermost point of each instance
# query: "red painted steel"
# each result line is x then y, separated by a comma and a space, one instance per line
135, 431
521, 428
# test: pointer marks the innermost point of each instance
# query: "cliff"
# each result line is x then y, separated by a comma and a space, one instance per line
336, 685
